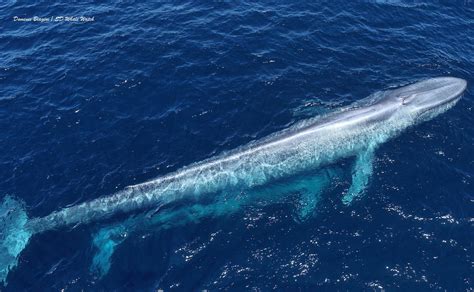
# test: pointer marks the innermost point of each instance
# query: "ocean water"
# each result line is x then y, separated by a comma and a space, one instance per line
142, 89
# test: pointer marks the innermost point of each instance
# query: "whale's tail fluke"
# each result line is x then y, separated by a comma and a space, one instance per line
14, 234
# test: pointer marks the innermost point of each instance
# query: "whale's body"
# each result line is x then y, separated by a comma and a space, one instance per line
354, 131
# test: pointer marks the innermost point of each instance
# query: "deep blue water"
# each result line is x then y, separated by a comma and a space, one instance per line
147, 88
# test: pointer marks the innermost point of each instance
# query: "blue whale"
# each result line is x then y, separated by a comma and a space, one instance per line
236, 177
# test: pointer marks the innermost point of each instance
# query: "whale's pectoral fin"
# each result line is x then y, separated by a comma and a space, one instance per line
105, 242
361, 173
307, 204
310, 191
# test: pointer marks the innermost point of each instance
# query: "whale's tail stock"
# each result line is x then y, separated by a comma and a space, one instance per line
14, 234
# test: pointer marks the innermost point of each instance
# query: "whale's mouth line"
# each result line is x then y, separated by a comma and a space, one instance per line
444, 104
448, 101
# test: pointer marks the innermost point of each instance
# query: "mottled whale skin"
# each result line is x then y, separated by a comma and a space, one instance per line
353, 131
339, 135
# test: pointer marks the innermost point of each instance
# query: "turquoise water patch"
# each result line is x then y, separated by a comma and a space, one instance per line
13, 234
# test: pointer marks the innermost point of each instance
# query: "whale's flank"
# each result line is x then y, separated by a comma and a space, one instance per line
353, 131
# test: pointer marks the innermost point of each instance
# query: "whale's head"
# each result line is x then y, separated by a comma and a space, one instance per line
428, 98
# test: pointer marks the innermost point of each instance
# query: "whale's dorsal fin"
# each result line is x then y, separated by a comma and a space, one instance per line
361, 173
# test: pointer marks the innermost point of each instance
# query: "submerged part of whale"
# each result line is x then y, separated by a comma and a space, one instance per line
308, 188
235, 178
